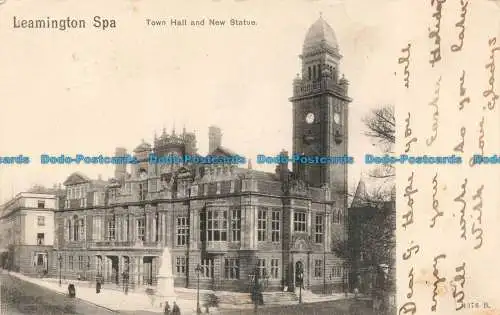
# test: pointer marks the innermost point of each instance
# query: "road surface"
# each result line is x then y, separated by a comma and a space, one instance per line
20, 297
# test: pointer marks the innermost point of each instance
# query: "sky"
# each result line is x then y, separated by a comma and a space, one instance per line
89, 91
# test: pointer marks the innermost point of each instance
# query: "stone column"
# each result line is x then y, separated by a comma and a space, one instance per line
136, 270
120, 269
254, 213
147, 228
163, 229
170, 228
327, 233
153, 229
118, 228
132, 229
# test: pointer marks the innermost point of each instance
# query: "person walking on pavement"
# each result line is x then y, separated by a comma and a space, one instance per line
176, 310
166, 310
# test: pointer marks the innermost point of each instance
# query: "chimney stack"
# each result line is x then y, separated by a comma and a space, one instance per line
214, 138
120, 168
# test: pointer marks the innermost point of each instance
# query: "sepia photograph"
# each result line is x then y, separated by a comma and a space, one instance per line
240, 157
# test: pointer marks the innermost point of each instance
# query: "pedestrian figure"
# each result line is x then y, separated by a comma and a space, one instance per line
98, 286
166, 310
71, 290
176, 310
356, 293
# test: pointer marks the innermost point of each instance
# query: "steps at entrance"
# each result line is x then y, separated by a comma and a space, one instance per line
234, 298
279, 298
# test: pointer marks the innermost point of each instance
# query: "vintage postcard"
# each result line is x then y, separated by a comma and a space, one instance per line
249, 157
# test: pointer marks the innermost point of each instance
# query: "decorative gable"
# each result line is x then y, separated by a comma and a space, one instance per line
76, 178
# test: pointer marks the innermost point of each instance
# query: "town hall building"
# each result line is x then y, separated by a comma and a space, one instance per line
234, 223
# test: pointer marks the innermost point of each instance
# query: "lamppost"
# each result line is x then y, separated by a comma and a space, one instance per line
254, 283
300, 276
198, 270
60, 269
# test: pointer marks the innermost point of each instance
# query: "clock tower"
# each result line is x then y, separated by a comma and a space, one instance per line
320, 109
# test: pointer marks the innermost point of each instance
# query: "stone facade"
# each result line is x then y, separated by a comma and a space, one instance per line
27, 233
233, 222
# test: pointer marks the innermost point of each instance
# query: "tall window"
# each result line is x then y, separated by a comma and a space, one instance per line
275, 268
216, 225
299, 221
261, 225
182, 230
76, 230
207, 266
41, 220
81, 264
70, 262
82, 230
337, 216
236, 225
261, 267
70, 230
180, 265
41, 204
275, 226
318, 268
203, 225
231, 268
141, 228
40, 238
318, 229
336, 272
97, 234
111, 228
143, 190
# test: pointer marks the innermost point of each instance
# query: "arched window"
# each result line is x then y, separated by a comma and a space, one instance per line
76, 230
314, 72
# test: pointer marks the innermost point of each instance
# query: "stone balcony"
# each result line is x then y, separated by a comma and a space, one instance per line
319, 86
216, 247
124, 244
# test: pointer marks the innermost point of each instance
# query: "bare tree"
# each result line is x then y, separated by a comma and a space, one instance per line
381, 125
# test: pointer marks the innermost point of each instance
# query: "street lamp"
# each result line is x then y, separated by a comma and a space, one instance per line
300, 276
60, 269
254, 282
198, 270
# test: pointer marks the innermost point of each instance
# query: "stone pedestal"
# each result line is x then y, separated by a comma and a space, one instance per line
165, 285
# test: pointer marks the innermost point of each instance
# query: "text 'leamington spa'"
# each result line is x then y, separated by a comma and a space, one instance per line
63, 24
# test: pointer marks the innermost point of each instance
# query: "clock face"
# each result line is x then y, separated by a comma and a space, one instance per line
336, 118
310, 118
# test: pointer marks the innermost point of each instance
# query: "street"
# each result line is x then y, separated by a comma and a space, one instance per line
20, 297
342, 307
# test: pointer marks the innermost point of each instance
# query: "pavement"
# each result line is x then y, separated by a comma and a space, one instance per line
21, 297
109, 299
45, 296
337, 307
